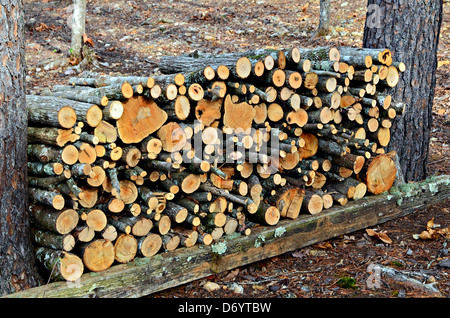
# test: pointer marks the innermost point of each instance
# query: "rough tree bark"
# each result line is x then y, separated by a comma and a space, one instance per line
17, 264
78, 28
324, 18
410, 29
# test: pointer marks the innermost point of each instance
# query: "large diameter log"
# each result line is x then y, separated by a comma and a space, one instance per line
125, 248
98, 255
62, 222
238, 116
379, 174
141, 117
62, 265
149, 245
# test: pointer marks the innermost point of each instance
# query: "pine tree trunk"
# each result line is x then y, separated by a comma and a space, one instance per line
410, 29
18, 270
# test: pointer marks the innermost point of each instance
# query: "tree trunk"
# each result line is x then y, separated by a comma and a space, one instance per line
410, 29
16, 252
78, 28
324, 21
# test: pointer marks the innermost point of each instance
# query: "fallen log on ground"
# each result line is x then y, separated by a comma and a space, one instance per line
162, 271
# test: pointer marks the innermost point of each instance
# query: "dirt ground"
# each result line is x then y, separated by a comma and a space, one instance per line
129, 36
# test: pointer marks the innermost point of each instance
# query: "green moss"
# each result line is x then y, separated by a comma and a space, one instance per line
396, 264
347, 282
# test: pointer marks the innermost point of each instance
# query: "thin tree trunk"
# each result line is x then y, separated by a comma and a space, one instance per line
410, 29
324, 18
17, 263
78, 28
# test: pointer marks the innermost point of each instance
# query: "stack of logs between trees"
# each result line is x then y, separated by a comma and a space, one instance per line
121, 167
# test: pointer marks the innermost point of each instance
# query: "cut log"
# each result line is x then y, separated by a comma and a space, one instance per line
98, 255
188, 238
238, 116
83, 233
58, 221
62, 265
379, 174
51, 136
266, 214
176, 212
65, 242
45, 169
96, 220
149, 245
312, 203
51, 198
140, 118
125, 247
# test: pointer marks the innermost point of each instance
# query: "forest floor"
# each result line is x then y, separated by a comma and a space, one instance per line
128, 37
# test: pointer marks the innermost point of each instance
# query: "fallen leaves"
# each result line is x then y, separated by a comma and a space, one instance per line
382, 236
44, 27
433, 232
87, 40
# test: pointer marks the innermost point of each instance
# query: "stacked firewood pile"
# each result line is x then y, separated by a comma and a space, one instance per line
121, 167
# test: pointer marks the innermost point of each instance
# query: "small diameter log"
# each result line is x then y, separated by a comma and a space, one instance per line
125, 247
51, 136
62, 265
47, 154
83, 233
163, 224
170, 241
149, 245
61, 222
45, 169
312, 203
78, 96
352, 188
295, 206
106, 132
65, 242
188, 238
97, 255
109, 233
176, 212
50, 198
265, 214
230, 225
214, 219
54, 111
350, 161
